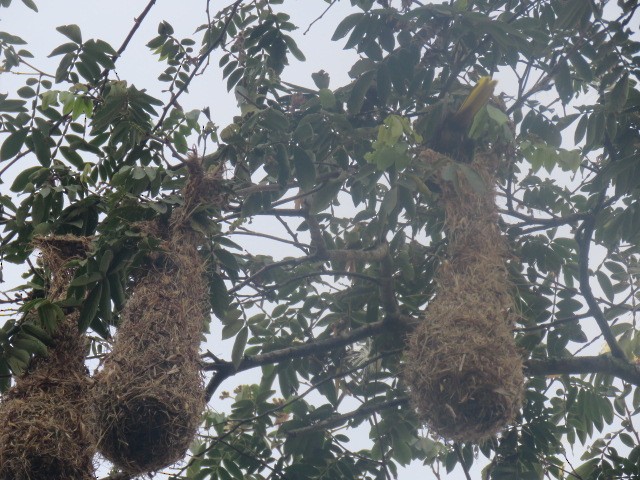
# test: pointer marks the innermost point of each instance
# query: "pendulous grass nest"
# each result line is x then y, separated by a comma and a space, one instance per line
149, 396
462, 365
45, 428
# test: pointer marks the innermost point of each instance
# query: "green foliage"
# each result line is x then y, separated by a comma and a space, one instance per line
336, 171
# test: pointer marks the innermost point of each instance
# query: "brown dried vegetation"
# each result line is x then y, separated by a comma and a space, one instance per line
149, 395
46, 432
462, 365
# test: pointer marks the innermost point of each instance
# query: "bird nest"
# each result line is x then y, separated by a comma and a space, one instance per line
462, 365
45, 428
150, 393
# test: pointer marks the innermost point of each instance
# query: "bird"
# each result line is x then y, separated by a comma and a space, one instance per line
452, 138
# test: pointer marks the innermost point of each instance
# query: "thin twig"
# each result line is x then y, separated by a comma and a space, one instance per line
337, 420
201, 60
465, 468
320, 17
583, 238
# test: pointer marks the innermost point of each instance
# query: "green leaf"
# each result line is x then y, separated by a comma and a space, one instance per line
401, 450
564, 84
571, 12
359, 90
12, 105
587, 470
223, 475
86, 279
231, 329
38, 333
5, 375
234, 78
233, 469
581, 129
619, 94
31, 4
31, 345
218, 296
605, 284
23, 178
383, 83
17, 365
284, 169
293, 48
104, 312
62, 72
12, 144
72, 32
180, 142
26, 92
41, 148
72, 157
64, 48
105, 261
327, 99
389, 201
582, 67
90, 308
49, 316
321, 199
228, 260
497, 115
275, 119
321, 79
449, 173
475, 180
385, 156
346, 25
237, 353
305, 168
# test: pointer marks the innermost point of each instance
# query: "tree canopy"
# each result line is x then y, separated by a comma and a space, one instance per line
334, 176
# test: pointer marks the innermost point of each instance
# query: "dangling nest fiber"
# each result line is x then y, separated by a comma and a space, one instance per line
462, 365
150, 392
45, 431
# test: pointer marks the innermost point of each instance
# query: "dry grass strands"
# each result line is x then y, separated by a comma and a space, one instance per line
462, 364
45, 432
150, 392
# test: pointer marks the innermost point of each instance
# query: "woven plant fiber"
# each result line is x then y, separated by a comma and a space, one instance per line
463, 369
149, 396
45, 425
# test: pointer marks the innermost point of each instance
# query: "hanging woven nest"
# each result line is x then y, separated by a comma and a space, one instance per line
45, 431
150, 393
462, 365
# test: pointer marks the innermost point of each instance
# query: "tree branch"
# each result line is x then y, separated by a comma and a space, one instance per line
201, 60
465, 468
337, 420
605, 364
583, 238
375, 254
137, 22
553, 366
547, 222
225, 369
